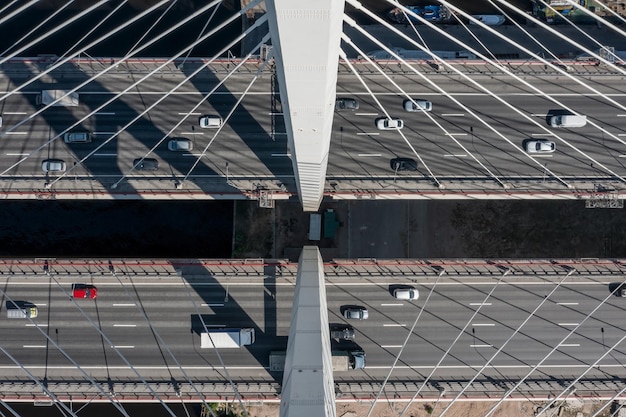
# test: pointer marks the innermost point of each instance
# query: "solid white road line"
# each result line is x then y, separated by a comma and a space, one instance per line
483, 324
14, 112
124, 305
367, 133
480, 304
212, 304
288, 155
191, 114
34, 346
104, 154
124, 325
453, 114
456, 134
392, 304
369, 154
15, 133
394, 325
457, 155
36, 325
542, 134
568, 324
17, 154
366, 114
567, 304
122, 347
390, 346
105, 113
569, 344
480, 346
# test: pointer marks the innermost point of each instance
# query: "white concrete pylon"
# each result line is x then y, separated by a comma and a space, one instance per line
305, 41
308, 387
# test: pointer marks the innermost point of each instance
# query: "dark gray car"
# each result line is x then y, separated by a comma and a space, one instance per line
403, 164
342, 333
346, 104
148, 164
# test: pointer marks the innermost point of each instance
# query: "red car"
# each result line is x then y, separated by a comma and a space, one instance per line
84, 291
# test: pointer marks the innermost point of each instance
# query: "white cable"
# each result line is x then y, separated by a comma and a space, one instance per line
156, 22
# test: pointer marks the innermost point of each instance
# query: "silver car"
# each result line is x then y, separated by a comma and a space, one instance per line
539, 146
180, 145
356, 313
384, 123
417, 105
406, 294
53, 165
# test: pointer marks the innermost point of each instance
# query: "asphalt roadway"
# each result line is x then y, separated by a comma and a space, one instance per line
151, 325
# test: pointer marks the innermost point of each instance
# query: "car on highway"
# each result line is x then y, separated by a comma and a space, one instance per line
407, 293
180, 145
84, 291
345, 103
53, 165
403, 164
77, 137
539, 146
342, 332
210, 122
393, 123
562, 118
618, 289
417, 104
146, 164
356, 313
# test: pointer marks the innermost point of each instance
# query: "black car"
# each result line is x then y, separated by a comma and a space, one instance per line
403, 164
147, 164
346, 104
618, 289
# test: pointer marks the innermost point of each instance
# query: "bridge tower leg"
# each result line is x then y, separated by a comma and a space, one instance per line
308, 387
306, 36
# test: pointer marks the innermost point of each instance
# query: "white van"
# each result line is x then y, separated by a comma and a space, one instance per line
568, 120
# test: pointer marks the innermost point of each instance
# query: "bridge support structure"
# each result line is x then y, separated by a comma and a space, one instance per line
306, 37
308, 386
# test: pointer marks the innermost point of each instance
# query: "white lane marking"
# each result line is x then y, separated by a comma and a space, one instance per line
275, 113
191, 114
14, 112
480, 346
369, 154
366, 114
390, 346
455, 155
41, 304
36, 325
367, 133
104, 133
453, 114
123, 347
621, 134
567, 304
394, 325
105, 113
568, 324
194, 133
538, 115
215, 325
17, 154
621, 156
104, 154
15, 133
212, 304
288, 155
480, 304
621, 115
124, 305
542, 155
392, 304
456, 134
483, 324
569, 344
34, 346
542, 134
124, 325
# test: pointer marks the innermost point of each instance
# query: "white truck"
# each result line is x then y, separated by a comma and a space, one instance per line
226, 338
22, 312
49, 96
341, 360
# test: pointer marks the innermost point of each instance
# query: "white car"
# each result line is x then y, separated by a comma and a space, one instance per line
53, 165
384, 123
210, 122
539, 146
417, 105
180, 145
406, 294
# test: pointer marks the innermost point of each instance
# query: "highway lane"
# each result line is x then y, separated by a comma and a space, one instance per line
443, 326
450, 143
